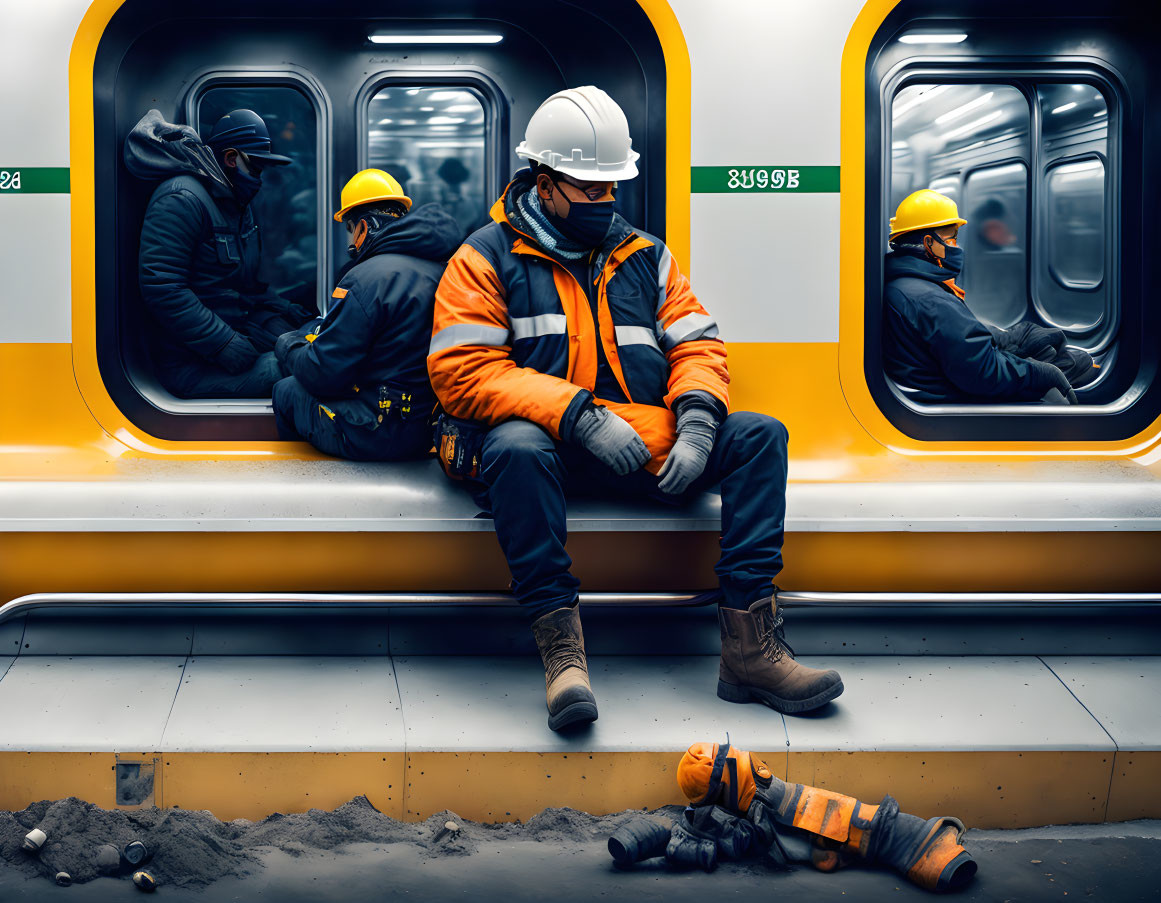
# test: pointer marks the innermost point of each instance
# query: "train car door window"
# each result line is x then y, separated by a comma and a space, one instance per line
1071, 290
286, 208
1034, 118
971, 142
995, 204
432, 139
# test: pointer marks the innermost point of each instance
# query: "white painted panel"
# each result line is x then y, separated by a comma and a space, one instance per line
35, 42
947, 703
766, 79
36, 286
766, 265
273, 703
90, 703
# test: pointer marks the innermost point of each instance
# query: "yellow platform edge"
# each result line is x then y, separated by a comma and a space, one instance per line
987, 789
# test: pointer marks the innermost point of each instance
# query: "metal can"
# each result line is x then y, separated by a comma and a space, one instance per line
34, 840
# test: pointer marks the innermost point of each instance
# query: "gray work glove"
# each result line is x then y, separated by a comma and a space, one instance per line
696, 428
610, 439
237, 355
1055, 376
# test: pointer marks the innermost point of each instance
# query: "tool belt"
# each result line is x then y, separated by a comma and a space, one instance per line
459, 445
403, 404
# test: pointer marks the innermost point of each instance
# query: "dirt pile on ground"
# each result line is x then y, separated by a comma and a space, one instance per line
189, 848
194, 849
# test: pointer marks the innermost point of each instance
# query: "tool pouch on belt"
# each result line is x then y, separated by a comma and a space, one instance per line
402, 403
459, 445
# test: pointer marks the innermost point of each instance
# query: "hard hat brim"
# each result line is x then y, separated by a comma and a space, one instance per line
621, 174
363, 202
950, 221
269, 158
587, 171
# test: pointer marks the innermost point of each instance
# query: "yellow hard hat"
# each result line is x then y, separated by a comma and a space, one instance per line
369, 186
925, 209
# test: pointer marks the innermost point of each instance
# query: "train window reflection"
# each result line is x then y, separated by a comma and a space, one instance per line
1027, 163
972, 144
1076, 213
286, 208
996, 240
432, 140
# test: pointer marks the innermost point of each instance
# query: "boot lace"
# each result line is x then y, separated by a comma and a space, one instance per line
564, 651
771, 634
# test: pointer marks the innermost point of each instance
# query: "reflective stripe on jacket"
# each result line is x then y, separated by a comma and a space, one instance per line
514, 334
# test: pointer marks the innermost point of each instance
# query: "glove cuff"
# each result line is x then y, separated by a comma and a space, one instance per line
698, 399
581, 402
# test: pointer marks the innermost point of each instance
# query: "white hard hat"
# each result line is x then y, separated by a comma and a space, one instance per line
582, 133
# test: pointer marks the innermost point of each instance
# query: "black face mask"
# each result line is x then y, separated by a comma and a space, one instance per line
952, 257
586, 224
246, 185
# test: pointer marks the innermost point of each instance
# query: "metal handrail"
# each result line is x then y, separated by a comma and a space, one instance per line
371, 601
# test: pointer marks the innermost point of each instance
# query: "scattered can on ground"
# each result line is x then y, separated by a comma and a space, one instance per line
144, 881
34, 840
136, 853
64, 879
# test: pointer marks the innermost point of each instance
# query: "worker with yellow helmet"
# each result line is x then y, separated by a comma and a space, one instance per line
356, 379
934, 347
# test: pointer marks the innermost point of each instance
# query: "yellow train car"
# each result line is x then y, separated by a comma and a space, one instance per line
140, 531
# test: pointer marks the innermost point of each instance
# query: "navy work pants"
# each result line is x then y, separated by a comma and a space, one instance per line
202, 379
347, 429
189, 376
527, 476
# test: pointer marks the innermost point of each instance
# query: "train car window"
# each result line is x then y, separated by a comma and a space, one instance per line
972, 143
995, 204
432, 139
286, 208
1076, 213
324, 83
1029, 117
1071, 289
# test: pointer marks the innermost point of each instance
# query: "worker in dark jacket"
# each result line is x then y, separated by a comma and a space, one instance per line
358, 384
934, 347
215, 322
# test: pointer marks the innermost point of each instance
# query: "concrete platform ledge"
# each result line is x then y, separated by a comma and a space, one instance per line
1001, 741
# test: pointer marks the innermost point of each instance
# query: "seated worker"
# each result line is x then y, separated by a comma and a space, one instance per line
215, 323
579, 342
934, 347
358, 376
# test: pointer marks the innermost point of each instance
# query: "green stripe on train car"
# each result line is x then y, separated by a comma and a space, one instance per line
769, 179
34, 180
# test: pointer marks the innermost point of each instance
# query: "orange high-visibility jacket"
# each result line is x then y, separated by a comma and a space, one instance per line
514, 334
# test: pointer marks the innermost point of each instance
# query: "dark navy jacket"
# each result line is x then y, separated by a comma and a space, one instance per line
377, 328
200, 285
934, 346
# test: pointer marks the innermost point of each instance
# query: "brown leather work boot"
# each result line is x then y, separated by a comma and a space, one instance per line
566, 672
758, 664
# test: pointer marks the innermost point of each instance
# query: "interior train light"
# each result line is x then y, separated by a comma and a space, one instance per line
435, 38
922, 97
955, 114
445, 120
972, 126
1063, 108
932, 38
